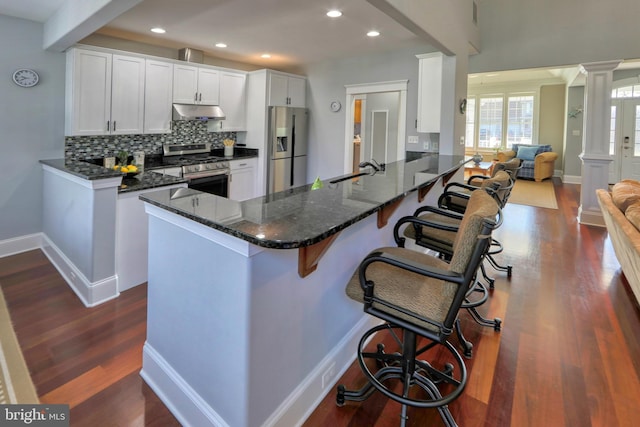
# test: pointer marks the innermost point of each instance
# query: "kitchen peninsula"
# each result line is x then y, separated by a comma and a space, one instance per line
237, 334
95, 226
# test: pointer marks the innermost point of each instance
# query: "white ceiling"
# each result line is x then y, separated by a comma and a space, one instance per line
294, 32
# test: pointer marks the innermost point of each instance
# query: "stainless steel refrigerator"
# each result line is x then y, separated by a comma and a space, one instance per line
287, 148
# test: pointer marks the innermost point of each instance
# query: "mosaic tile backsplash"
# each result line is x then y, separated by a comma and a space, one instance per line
90, 147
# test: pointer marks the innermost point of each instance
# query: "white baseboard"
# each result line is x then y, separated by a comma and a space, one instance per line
20, 244
183, 402
572, 179
90, 293
191, 410
301, 403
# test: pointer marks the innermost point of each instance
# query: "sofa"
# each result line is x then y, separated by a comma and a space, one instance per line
538, 161
621, 212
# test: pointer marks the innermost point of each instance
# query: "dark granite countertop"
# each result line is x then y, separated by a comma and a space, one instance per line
91, 172
301, 216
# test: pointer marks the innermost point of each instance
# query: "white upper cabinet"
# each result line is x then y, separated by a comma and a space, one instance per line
158, 96
233, 97
429, 92
208, 86
193, 85
127, 95
185, 84
287, 91
104, 93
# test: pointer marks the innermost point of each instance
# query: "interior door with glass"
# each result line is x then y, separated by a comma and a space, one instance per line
625, 140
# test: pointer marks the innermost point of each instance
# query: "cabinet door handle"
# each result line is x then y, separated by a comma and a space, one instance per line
242, 164
114, 125
200, 97
108, 129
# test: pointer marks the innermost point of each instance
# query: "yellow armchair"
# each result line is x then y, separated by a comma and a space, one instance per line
542, 167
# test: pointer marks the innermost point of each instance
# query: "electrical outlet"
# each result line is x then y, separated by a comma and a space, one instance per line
327, 377
425, 146
462, 140
575, 132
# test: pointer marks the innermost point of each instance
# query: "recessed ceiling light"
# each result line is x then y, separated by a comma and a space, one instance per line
334, 13
373, 33
158, 30
221, 45
265, 55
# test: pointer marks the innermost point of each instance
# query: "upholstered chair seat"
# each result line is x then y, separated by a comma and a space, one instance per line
418, 296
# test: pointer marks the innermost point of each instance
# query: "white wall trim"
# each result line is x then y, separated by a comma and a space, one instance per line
183, 402
306, 397
20, 244
352, 91
571, 179
90, 293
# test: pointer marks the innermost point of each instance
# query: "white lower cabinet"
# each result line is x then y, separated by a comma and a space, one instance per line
242, 181
132, 238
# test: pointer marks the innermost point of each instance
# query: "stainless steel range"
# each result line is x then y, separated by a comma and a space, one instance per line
203, 171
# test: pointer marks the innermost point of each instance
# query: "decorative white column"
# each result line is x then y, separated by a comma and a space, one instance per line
595, 142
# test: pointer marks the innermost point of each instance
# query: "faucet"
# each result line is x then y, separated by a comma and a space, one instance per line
377, 167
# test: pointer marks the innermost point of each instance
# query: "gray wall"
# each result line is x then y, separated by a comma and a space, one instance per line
31, 125
326, 82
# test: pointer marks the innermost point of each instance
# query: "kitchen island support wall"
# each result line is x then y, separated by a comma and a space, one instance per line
244, 340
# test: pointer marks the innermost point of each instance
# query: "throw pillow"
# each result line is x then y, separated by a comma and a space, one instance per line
527, 153
624, 194
633, 215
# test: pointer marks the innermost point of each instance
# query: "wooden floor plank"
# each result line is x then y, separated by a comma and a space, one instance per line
568, 352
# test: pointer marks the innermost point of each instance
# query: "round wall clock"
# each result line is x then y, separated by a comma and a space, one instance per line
335, 106
25, 77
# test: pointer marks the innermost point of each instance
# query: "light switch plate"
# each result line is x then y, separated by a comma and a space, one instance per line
412, 139
575, 132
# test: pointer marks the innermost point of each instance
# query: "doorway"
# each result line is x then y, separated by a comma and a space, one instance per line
391, 137
624, 144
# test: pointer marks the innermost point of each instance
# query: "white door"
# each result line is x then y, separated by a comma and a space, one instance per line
625, 144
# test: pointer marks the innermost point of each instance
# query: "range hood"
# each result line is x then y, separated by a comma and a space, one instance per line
197, 112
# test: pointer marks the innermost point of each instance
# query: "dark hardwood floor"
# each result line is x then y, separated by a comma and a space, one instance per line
568, 353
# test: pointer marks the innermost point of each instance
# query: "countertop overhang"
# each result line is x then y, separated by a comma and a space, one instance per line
303, 216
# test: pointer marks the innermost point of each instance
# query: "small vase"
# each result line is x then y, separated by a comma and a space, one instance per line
477, 158
228, 150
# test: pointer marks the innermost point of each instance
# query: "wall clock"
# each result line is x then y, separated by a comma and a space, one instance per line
335, 106
25, 77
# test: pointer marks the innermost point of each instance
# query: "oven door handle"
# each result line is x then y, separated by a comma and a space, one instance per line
206, 174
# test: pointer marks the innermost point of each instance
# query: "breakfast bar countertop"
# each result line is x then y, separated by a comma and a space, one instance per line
303, 216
